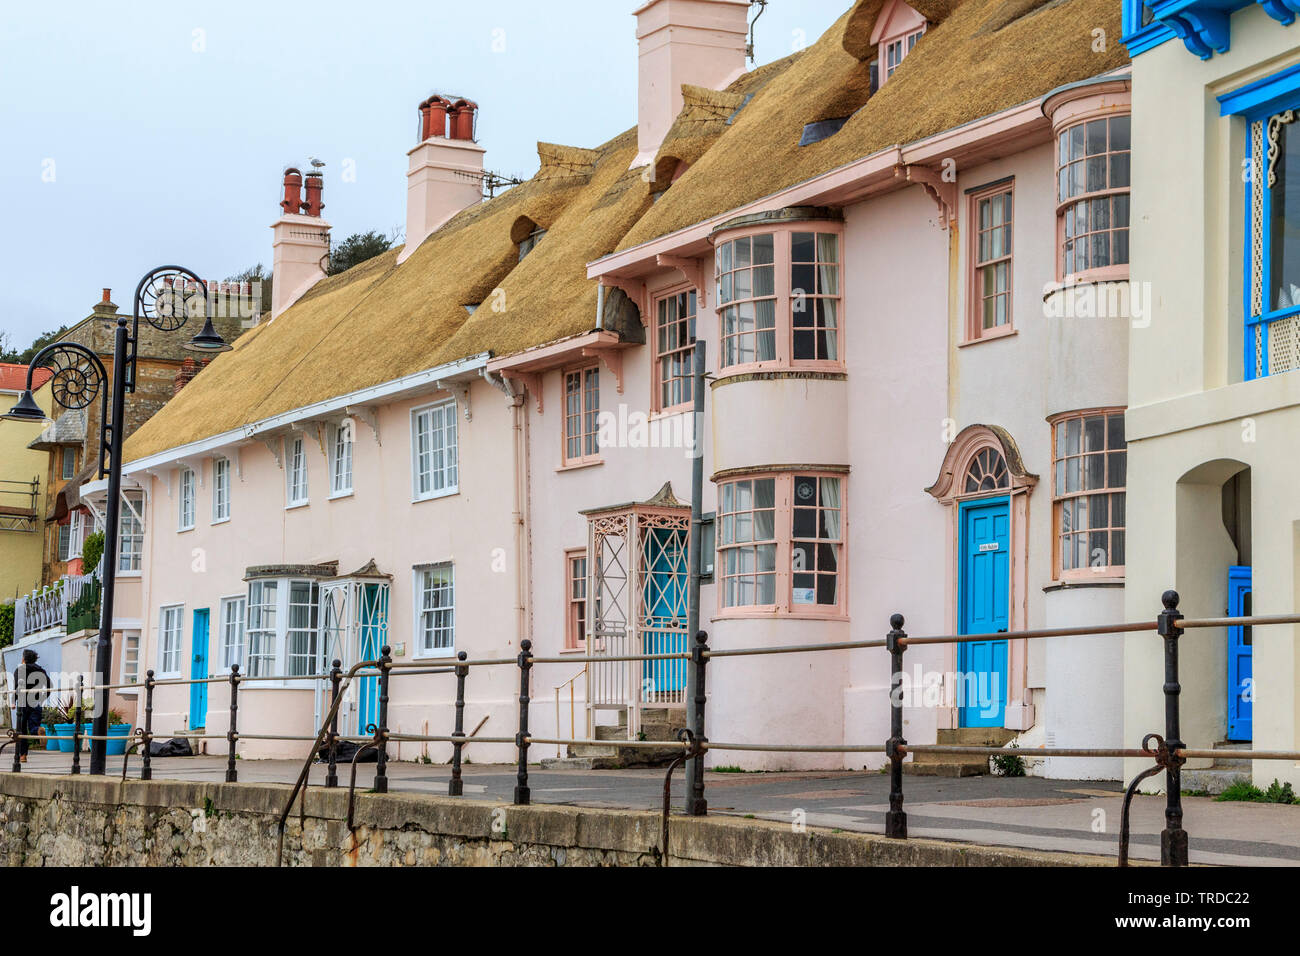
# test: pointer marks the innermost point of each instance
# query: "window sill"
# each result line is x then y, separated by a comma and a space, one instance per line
440, 654
774, 614
575, 651
579, 465
340, 494
1107, 580
128, 574
294, 506
183, 530
992, 335
221, 521
434, 496
1091, 277
673, 412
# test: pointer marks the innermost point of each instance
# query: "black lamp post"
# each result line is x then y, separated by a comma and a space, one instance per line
167, 297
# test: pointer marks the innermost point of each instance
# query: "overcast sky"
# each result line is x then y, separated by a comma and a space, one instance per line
149, 133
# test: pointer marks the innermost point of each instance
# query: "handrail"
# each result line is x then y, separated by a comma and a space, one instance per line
572, 710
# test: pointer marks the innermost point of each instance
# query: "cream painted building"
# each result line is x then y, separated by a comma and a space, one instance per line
1214, 403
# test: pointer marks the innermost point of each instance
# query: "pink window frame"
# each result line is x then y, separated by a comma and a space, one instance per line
1097, 273
975, 330
1059, 497
782, 261
581, 458
572, 608
656, 381
783, 529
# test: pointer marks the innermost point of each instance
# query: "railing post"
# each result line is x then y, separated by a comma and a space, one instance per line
696, 804
232, 731
455, 786
381, 732
1173, 838
76, 729
331, 741
522, 792
895, 642
146, 765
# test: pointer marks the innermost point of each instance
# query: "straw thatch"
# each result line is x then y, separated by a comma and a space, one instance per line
380, 321
986, 56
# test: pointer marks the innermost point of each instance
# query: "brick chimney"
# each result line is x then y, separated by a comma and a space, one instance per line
301, 240
446, 168
185, 374
701, 42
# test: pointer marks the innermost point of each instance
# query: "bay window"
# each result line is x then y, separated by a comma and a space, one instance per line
1090, 461
281, 634
778, 294
434, 451
780, 543
1092, 159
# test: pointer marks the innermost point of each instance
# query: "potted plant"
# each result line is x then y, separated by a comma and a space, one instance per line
59, 718
117, 728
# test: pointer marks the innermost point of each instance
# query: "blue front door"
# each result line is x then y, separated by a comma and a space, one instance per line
983, 583
664, 600
199, 669
1241, 691
372, 634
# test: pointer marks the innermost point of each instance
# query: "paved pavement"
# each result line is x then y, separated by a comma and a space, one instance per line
1071, 816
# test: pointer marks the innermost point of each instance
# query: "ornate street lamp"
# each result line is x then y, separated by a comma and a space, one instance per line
167, 298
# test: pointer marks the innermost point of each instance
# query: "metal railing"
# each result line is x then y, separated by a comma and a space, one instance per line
19, 517
48, 607
1167, 751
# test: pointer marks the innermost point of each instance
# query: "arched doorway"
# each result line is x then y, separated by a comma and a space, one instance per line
986, 487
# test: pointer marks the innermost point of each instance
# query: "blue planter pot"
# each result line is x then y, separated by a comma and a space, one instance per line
121, 731
63, 731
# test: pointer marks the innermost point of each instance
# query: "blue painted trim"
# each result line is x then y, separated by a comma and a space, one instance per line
1263, 97
1139, 38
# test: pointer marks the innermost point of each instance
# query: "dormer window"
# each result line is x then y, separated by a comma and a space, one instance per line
897, 30
895, 50
529, 242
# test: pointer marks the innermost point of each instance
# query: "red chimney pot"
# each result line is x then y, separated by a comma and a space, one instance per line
107, 294
462, 119
292, 190
312, 206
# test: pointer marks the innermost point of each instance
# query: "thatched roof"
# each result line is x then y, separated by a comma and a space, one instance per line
380, 321
985, 56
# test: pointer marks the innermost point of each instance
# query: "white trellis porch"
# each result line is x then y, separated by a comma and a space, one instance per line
637, 603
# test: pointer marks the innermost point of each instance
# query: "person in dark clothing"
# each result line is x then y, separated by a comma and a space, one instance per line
32, 685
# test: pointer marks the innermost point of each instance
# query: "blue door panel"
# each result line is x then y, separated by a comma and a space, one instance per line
1240, 657
199, 669
984, 593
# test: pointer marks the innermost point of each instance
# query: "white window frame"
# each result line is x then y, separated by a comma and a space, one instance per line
130, 675
232, 615
279, 632
419, 610
342, 440
220, 490
295, 465
164, 653
450, 471
186, 500
129, 512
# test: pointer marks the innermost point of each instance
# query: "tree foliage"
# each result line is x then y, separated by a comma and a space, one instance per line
357, 248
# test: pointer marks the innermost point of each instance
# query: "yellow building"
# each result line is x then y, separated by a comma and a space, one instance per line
23, 475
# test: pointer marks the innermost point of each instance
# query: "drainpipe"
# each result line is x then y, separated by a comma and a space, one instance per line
519, 516
600, 305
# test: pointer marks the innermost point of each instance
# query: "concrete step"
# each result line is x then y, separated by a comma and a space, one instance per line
592, 750
959, 765
611, 757
1213, 782
977, 736
1233, 763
